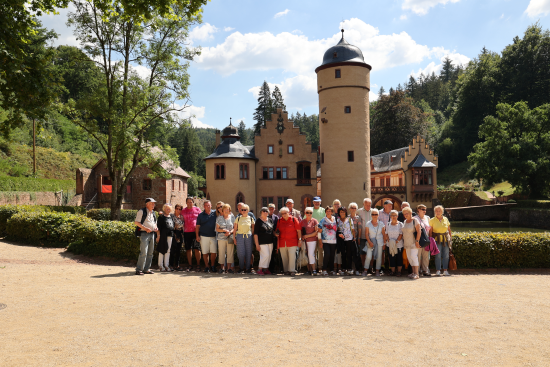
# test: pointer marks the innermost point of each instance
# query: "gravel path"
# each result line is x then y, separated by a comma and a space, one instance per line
69, 310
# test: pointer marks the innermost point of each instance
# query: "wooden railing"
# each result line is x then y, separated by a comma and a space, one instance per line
388, 190
303, 181
422, 188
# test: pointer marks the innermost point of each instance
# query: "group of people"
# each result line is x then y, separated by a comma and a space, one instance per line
337, 240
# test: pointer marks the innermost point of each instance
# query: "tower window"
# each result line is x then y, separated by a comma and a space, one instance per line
347, 109
290, 149
322, 157
243, 171
219, 173
270, 149
335, 55
337, 73
350, 156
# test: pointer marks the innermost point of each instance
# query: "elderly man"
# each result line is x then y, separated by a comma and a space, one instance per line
319, 213
384, 217
276, 265
296, 214
365, 214
206, 236
146, 221
400, 216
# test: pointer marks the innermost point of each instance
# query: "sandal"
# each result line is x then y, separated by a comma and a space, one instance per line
398, 274
139, 272
148, 272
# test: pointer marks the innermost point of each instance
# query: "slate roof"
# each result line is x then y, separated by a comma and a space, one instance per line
421, 161
344, 52
232, 148
383, 162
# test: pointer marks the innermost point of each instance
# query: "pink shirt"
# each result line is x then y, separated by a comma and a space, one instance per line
310, 227
190, 218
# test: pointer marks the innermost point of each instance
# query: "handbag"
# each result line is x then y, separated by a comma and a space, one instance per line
424, 238
452, 261
302, 255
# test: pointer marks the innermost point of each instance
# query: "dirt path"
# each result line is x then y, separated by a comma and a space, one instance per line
63, 310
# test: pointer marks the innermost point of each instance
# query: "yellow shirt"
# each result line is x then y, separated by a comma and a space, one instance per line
244, 225
440, 226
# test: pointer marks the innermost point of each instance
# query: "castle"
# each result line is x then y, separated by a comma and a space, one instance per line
282, 165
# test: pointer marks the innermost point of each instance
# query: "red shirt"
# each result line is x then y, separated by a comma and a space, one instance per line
310, 227
190, 218
288, 235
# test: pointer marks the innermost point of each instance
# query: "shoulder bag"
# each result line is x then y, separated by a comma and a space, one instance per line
424, 238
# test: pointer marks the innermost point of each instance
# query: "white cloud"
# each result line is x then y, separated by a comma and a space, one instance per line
297, 31
143, 71
537, 7
403, 17
457, 59
281, 13
203, 32
193, 113
300, 55
502, 16
228, 29
421, 7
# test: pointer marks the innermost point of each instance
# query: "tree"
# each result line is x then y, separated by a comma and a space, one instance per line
516, 148
264, 109
277, 98
121, 110
243, 133
447, 70
395, 121
381, 92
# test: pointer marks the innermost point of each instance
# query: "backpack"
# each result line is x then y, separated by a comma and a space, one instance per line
143, 217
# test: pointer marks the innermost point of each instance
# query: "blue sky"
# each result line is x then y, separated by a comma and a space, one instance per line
246, 42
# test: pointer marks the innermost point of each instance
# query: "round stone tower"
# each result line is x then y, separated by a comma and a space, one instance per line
343, 85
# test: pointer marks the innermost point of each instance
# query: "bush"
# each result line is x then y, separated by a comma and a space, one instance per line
105, 214
502, 250
65, 209
511, 201
35, 184
47, 228
8, 211
541, 204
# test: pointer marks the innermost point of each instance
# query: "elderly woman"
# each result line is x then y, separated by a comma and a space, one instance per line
346, 243
358, 226
328, 228
243, 228
164, 240
375, 233
177, 242
423, 255
441, 232
411, 237
310, 227
289, 232
263, 237
226, 245
394, 232
338, 256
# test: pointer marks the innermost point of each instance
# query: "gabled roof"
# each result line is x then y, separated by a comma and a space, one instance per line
168, 165
383, 162
421, 161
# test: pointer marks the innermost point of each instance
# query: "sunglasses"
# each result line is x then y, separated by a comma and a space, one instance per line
422, 209
309, 212
218, 207
374, 215
244, 210
393, 216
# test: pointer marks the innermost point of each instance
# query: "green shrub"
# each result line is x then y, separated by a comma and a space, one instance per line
511, 201
46, 228
66, 209
105, 214
7, 211
502, 250
541, 204
30, 184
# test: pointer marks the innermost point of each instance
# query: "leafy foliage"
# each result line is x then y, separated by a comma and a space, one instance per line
105, 214
516, 148
542, 204
308, 125
29, 184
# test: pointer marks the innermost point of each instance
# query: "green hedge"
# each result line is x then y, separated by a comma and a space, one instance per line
8, 211
502, 250
28, 184
540, 204
105, 214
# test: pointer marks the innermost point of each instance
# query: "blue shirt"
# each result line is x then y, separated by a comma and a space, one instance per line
207, 223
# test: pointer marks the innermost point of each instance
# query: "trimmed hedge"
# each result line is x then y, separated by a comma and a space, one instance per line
8, 211
502, 250
540, 204
105, 214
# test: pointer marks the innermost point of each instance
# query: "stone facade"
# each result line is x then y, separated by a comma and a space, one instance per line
29, 198
92, 184
344, 131
530, 218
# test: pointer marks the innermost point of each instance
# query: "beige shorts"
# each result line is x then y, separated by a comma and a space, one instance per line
209, 245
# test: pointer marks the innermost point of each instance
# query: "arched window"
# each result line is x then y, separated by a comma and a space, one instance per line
239, 199
303, 172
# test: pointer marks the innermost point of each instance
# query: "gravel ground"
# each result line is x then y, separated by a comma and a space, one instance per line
70, 310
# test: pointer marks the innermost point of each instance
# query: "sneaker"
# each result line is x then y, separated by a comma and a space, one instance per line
325, 273
169, 269
332, 272
267, 272
365, 273
242, 272
314, 272
446, 273
358, 274
438, 273
213, 269
260, 272
161, 269
427, 274
207, 270
220, 271
293, 274
230, 271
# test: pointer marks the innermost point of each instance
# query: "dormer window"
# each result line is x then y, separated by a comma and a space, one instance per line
335, 55
337, 73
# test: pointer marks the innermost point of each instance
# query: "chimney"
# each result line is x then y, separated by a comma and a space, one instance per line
217, 137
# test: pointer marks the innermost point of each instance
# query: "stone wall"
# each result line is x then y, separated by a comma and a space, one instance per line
28, 198
499, 212
530, 218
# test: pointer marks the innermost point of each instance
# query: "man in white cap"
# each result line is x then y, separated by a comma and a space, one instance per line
293, 212
319, 213
146, 221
